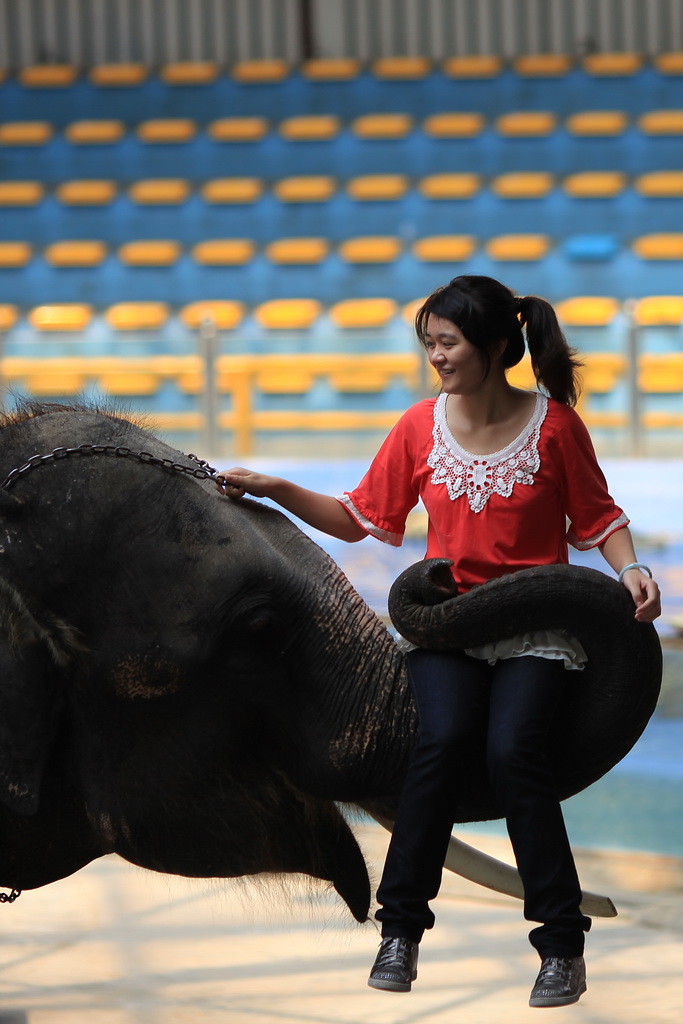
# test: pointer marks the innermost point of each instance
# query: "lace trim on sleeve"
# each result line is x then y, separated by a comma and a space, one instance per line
592, 542
395, 539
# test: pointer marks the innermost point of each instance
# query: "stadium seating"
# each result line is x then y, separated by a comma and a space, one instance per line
278, 203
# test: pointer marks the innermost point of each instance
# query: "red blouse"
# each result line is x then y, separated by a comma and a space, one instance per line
490, 514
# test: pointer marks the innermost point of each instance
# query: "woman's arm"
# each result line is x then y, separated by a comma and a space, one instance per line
321, 511
618, 551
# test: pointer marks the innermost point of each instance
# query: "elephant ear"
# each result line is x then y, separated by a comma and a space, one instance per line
606, 707
29, 708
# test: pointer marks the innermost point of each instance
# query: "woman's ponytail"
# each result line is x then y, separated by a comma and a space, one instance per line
554, 362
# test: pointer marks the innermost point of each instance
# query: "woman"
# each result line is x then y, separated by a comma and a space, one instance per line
500, 471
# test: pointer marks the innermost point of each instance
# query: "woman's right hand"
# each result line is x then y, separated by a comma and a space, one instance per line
238, 481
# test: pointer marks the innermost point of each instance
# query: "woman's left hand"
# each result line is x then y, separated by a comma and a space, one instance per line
645, 594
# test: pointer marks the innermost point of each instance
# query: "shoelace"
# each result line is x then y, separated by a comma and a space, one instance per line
396, 950
555, 968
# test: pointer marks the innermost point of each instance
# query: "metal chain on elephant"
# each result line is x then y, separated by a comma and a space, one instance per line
202, 470
10, 897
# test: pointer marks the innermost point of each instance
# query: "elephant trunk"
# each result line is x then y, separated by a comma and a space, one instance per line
604, 708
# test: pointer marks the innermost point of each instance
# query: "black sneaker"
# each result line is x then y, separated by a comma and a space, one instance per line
561, 980
396, 965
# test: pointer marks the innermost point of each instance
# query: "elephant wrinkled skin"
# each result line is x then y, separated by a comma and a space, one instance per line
190, 682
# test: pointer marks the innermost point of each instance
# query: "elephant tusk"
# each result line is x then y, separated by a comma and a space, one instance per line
478, 867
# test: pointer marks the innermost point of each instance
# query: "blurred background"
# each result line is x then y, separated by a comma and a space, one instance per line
223, 214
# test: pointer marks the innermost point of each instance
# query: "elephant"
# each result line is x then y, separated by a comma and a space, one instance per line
190, 682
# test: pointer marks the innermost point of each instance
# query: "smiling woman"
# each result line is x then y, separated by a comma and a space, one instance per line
499, 470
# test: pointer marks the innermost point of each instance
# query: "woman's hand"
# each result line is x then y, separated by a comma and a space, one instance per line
645, 594
237, 482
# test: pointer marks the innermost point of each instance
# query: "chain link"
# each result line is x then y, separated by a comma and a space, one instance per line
10, 897
202, 470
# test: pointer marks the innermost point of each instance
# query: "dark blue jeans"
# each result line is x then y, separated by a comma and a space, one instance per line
463, 702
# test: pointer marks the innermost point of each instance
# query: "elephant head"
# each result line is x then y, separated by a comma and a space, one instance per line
190, 682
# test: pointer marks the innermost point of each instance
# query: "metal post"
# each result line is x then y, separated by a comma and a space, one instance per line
208, 345
634, 412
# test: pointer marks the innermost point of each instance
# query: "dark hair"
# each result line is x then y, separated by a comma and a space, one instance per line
486, 312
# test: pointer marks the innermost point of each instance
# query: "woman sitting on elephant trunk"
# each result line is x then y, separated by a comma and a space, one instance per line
500, 471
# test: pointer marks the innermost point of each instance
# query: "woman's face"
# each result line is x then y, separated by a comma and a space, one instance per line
459, 364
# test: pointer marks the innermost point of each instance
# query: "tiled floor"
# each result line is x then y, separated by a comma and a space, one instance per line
117, 945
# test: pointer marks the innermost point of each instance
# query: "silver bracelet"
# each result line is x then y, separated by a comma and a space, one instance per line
635, 565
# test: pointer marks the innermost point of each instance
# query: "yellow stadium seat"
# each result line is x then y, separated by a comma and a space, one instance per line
260, 71
454, 125
661, 122
601, 371
373, 187
522, 374
454, 185
232, 190
661, 372
361, 378
94, 133
597, 122
661, 246
382, 126
297, 250
587, 310
129, 382
359, 313
152, 253
76, 253
475, 66
314, 188
86, 192
518, 247
25, 133
444, 248
542, 65
159, 192
523, 185
21, 193
165, 130
526, 123
223, 252
331, 69
310, 127
15, 254
660, 183
54, 381
66, 316
48, 76
594, 184
238, 129
405, 68
226, 314
287, 314
410, 310
134, 316
284, 377
669, 63
9, 315
658, 310
612, 64
189, 72
118, 75
372, 249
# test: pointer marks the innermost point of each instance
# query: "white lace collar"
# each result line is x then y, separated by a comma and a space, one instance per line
480, 476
